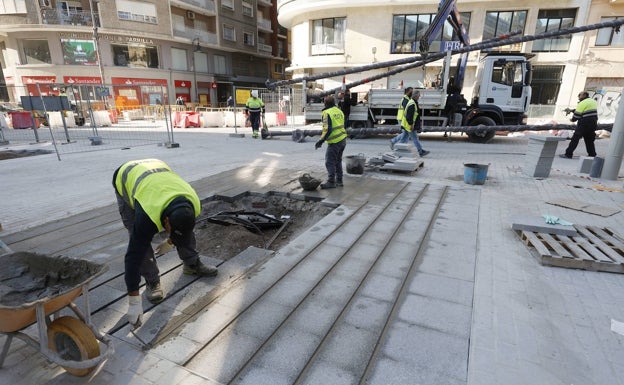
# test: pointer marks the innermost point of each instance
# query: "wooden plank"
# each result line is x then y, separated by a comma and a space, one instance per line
600, 245
605, 236
555, 245
573, 247
532, 239
598, 255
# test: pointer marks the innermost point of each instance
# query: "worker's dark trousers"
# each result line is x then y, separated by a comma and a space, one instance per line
254, 119
588, 135
149, 268
333, 161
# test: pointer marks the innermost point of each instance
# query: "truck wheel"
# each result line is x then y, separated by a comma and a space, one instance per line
484, 135
72, 340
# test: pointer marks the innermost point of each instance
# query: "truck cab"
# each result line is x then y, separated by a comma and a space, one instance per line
502, 93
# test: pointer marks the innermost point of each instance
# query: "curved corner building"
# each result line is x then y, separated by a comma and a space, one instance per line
331, 35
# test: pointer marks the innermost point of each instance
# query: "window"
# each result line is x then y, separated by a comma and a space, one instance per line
554, 20
229, 4
608, 37
36, 52
248, 38
407, 30
179, 59
229, 33
201, 61
79, 52
8, 7
507, 72
545, 84
247, 9
219, 64
136, 11
328, 36
135, 55
500, 23
278, 68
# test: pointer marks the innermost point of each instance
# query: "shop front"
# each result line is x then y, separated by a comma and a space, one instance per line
134, 93
183, 90
40, 85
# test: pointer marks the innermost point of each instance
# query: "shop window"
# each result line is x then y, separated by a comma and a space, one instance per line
545, 84
36, 52
550, 20
136, 11
407, 30
135, 55
608, 36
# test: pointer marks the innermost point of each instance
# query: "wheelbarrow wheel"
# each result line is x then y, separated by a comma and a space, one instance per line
72, 340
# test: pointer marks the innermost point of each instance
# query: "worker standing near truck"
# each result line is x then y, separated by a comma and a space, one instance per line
411, 121
335, 134
586, 116
402, 136
152, 198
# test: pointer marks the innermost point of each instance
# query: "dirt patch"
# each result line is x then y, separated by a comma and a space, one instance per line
28, 277
226, 241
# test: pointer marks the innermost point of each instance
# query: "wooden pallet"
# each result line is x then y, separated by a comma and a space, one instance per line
596, 249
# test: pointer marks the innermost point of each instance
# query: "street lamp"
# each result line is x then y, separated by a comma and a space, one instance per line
196, 48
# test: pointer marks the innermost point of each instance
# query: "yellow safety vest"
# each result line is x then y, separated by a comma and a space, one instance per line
254, 104
152, 183
404, 123
338, 132
401, 110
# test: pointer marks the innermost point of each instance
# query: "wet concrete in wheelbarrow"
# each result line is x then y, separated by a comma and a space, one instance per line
29, 277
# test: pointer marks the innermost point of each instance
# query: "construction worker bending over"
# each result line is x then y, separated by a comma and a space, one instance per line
253, 108
335, 134
152, 198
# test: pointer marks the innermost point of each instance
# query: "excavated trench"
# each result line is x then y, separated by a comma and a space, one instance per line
229, 226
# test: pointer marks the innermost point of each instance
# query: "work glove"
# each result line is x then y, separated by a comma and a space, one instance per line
318, 144
135, 310
163, 248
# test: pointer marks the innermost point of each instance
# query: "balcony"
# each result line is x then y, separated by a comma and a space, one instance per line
205, 5
265, 25
265, 48
83, 18
204, 37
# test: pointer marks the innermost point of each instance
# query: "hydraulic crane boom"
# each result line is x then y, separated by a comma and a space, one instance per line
447, 11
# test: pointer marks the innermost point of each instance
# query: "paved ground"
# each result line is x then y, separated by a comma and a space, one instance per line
528, 323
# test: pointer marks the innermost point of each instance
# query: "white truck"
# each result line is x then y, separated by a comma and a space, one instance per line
501, 96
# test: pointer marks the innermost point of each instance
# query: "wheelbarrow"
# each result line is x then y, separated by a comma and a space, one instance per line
33, 289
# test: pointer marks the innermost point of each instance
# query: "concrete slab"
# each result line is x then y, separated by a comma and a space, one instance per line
539, 225
585, 207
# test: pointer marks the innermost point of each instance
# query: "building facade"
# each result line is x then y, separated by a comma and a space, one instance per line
332, 35
152, 50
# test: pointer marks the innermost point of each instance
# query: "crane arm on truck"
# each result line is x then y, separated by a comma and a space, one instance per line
447, 11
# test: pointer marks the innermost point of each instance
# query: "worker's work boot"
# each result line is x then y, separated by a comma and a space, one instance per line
255, 134
339, 183
200, 269
154, 292
423, 153
328, 184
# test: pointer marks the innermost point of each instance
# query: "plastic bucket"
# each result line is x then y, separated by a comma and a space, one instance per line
355, 163
475, 173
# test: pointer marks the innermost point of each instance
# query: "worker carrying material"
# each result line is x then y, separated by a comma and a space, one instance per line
152, 198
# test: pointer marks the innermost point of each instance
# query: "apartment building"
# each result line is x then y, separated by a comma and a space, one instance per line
200, 50
338, 34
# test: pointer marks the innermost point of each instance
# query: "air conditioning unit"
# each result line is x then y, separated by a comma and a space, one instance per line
190, 15
46, 3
